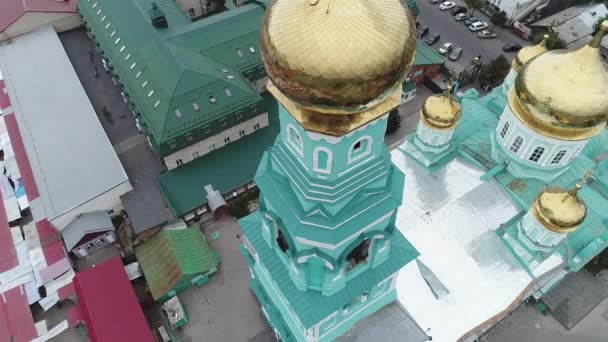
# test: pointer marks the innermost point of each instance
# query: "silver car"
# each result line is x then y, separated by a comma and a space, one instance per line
456, 53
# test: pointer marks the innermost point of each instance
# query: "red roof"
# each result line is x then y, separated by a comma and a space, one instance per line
8, 254
15, 316
11, 10
109, 305
21, 156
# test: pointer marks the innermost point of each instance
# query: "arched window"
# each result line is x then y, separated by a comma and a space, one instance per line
294, 139
558, 157
322, 159
538, 152
359, 254
281, 241
360, 149
516, 145
504, 130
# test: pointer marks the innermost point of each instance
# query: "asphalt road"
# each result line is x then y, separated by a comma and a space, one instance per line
457, 33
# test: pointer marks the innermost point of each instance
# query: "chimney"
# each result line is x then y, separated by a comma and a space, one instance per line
159, 20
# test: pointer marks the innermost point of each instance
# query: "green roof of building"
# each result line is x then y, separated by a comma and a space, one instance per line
173, 254
312, 306
226, 168
166, 70
425, 55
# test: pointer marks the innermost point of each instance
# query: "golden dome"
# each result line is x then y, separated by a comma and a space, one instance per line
338, 56
563, 94
441, 112
527, 53
559, 210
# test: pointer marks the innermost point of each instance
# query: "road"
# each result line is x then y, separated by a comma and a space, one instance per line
458, 34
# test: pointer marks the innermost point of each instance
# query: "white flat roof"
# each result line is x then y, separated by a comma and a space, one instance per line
450, 216
71, 158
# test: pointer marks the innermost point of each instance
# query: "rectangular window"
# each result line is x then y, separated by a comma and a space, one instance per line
112, 34
151, 93
178, 113
127, 57
228, 92
212, 99
191, 12
226, 140
122, 48
117, 41
195, 154
103, 18
138, 74
241, 133
98, 11
179, 162
133, 66
211, 147
195, 106
157, 103
240, 53
107, 26
256, 126
143, 85
251, 49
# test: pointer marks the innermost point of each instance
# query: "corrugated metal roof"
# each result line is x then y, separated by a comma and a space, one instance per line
173, 254
109, 304
83, 224
16, 322
71, 158
425, 55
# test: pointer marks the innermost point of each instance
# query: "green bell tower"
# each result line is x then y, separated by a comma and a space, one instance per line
322, 248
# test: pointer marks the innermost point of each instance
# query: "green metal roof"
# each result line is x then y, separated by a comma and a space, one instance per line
426, 55
165, 70
312, 306
226, 169
413, 7
173, 254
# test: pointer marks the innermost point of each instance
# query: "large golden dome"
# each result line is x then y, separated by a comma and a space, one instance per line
338, 56
560, 210
441, 112
563, 94
527, 53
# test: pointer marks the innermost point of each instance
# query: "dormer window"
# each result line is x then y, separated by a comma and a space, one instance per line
212, 99
195, 106
240, 53
251, 49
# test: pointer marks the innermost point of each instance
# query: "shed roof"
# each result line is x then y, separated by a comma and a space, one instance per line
83, 224
109, 305
16, 322
425, 55
11, 10
172, 254
71, 158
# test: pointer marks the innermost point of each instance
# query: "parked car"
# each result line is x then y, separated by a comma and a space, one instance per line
511, 47
458, 9
486, 34
461, 16
478, 26
436, 1
432, 38
422, 30
446, 5
446, 48
456, 53
471, 20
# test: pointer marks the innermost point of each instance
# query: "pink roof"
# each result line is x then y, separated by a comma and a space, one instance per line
5, 102
8, 254
109, 305
21, 156
15, 317
11, 10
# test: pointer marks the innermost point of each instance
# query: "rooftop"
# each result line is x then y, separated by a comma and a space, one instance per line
173, 75
53, 125
11, 10
109, 305
426, 55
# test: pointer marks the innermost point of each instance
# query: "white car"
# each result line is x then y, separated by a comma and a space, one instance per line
446, 48
446, 5
478, 26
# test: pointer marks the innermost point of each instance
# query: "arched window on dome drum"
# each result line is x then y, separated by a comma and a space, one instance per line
538, 152
322, 159
558, 157
504, 130
516, 145
358, 255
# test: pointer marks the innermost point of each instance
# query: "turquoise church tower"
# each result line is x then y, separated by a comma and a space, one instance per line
323, 249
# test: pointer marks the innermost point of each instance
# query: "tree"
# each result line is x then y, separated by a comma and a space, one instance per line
554, 42
474, 5
494, 73
394, 121
499, 18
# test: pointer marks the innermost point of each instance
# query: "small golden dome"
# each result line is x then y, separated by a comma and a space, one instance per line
441, 112
564, 92
338, 56
559, 210
526, 54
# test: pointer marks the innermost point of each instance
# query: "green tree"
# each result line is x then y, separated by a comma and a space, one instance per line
554, 42
499, 18
494, 73
474, 5
394, 121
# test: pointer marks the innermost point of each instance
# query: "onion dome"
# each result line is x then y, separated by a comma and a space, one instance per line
441, 112
527, 53
338, 56
562, 94
559, 210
